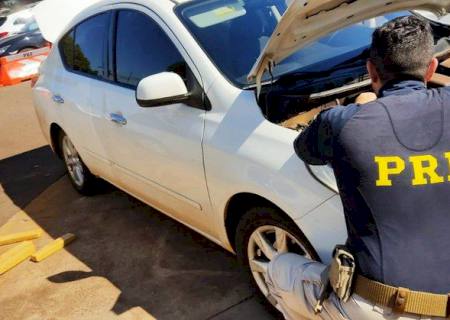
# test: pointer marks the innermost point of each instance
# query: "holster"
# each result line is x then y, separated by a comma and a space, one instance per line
337, 277
342, 272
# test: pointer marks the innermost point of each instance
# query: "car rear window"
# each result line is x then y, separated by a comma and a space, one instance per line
83, 48
2, 20
67, 48
90, 40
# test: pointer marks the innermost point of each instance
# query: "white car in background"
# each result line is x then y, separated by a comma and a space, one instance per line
154, 97
14, 22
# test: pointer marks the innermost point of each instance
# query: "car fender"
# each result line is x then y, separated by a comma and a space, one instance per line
246, 153
325, 227
47, 111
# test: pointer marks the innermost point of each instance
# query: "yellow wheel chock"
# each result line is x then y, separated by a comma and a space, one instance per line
16, 255
19, 237
52, 247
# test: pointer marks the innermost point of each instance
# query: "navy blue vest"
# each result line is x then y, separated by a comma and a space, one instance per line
392, 163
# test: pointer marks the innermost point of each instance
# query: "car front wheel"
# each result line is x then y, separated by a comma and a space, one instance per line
263, 233
80, 176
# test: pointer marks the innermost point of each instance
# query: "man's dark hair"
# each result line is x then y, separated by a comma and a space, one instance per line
402, 48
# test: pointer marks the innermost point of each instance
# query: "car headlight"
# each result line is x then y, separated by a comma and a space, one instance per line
3, 49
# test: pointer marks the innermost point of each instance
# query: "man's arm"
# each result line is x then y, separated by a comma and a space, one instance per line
315, 145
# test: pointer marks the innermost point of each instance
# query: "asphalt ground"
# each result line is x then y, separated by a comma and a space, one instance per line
128, 262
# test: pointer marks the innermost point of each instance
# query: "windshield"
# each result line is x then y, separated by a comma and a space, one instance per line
234, 32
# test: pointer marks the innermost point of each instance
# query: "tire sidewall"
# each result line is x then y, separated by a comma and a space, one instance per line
252, 220
262, 216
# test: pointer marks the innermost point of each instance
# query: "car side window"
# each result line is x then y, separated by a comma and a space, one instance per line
83, 48
143, 49
91, 37
66, 46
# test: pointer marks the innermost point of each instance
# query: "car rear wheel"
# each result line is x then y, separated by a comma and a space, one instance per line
263, 233
80, 176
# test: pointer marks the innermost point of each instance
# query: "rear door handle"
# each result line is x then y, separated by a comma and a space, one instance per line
58, 99
117, 118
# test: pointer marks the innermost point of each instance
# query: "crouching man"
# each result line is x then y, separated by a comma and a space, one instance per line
391, 159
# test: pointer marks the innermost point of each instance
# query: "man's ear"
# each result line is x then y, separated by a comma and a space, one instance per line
431, 69
373, 73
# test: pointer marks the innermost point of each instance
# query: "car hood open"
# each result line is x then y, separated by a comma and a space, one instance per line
445, 19
53, 16
305, 21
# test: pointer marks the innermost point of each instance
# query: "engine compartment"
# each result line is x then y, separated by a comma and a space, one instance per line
286, 105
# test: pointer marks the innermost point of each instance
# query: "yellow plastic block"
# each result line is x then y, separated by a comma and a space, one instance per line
19, 237
16, 255
52, 247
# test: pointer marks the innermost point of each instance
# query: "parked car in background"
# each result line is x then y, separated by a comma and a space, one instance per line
28, 38
154, 96
3, 13
14, 22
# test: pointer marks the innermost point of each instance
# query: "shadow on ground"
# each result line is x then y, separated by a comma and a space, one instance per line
156, 263
24, 176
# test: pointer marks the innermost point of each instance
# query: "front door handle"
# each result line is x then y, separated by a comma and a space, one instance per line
117, 118
58, 99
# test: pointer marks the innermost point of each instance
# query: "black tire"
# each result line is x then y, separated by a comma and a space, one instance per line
259, 217
90, 183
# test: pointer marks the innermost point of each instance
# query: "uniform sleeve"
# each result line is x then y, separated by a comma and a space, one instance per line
315, 145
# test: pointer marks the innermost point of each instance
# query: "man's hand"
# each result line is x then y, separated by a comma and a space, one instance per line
366, 97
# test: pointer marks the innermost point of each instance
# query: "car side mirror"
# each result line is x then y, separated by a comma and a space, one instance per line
161, 89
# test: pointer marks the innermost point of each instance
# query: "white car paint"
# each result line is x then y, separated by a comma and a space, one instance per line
160, 86
184, 161
13, 24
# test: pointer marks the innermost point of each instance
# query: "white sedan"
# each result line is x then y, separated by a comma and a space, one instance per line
155, 96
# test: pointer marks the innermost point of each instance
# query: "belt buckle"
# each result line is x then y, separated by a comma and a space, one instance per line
401, 298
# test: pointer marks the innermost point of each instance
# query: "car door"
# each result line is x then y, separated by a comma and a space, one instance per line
156, 152
78, 85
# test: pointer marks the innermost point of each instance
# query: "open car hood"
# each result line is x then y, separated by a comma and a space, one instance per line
445, 19
53, 16
305, 21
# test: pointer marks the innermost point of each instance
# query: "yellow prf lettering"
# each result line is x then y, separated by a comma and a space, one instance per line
420, 170
388, 166
447, 156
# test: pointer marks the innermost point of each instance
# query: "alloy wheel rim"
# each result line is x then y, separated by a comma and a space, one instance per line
73, 162
264, 244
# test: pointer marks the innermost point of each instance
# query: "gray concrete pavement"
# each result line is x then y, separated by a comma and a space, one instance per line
129, 261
